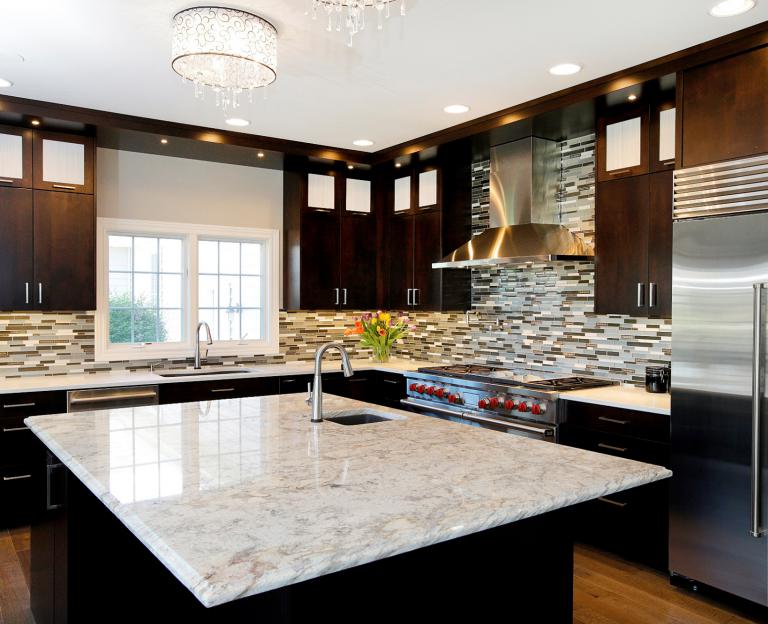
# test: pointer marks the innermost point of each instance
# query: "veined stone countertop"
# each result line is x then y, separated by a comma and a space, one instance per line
145, 378
242, 496
623, 396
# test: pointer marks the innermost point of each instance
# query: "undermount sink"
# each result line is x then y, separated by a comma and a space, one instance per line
360, 418
191, 372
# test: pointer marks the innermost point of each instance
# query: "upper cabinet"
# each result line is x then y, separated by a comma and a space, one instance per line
724, 106
15, 157
63, 162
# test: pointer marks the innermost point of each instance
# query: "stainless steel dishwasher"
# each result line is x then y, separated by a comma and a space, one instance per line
110, 398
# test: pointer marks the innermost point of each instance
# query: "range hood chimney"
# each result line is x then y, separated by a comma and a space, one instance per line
524, 219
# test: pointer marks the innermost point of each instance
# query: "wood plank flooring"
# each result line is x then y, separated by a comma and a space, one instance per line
607, 590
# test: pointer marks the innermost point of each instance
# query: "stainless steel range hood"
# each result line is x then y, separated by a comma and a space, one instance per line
524, 219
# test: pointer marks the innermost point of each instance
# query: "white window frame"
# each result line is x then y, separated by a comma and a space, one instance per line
190, 234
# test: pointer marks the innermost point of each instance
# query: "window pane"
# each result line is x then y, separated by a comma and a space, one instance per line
170, 291
120, 253
229, 291
120, 326
145, 290
229, 257
144, 254
120, 290
212, 318
208, 257
251, 292
144, 325
170, 326
170, 255
229, 324
208, 291
251, 325
251, 259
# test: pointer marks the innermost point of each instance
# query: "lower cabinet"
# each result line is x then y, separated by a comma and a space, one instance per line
377, 387
633, 524
191, 391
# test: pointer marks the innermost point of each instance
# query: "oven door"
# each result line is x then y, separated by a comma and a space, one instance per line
547, 433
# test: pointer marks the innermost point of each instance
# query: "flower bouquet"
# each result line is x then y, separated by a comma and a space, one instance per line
379, 331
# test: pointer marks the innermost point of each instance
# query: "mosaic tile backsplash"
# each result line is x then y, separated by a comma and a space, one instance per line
538, 316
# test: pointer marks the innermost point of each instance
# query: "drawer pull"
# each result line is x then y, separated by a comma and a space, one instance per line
68, 187
5, 181
15, 405
619, 171
615, 421
391, 381
667, 163
602, 499
289, 381
610, 447
222, 390
12, 429
17, 477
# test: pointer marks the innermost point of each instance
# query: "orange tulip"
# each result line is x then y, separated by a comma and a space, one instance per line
382, 331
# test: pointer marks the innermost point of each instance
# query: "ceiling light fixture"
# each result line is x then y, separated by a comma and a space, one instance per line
260, 154
362, 143
227, 51
5, 83
632, 97
398, 165
351, 14
456, 109
730, 8
35, 122
164, 141
565, 69
237, 121
350, 167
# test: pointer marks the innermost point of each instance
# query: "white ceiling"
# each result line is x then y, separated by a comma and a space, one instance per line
390, 87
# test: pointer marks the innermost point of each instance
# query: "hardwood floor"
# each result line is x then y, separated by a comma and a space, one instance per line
607, 590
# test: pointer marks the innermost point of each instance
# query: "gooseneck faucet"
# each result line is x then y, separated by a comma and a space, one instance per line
317, 386
208, 341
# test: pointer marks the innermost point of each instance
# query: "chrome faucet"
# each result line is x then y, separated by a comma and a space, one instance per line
317, 386
208, 341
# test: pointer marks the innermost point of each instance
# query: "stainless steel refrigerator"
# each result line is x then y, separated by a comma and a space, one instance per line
720, 289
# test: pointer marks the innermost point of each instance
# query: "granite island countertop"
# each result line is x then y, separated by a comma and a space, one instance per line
242, 496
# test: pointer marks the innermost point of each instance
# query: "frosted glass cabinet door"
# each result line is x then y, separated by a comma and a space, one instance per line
63, 163
15, 157
428, 188
358, 195
622, 144
667, 135
320, 193
403, 194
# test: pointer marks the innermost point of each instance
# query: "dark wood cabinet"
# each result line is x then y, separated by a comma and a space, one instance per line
16, 156
357, 268
623, 143
633, 246
400, 260
192, 391
633, 523
16, 242
724, 106
371, 386
65, 241
320, 257
63, 162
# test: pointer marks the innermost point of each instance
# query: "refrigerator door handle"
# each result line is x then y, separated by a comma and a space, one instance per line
758, 372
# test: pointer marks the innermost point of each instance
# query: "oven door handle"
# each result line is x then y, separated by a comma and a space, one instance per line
544, 432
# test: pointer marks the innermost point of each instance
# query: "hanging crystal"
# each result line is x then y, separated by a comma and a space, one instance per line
353, 18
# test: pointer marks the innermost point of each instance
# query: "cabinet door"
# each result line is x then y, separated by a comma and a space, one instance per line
358, 261
15, 157
427, 249
320, 288
16, 243
660, 245
63, 162
622, 144
662, 141
65, 252
724, 109
400, 251
621, 246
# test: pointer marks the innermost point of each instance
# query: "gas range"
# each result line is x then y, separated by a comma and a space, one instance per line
517, 401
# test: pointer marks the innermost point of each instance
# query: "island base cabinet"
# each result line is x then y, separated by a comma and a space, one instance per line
523, 569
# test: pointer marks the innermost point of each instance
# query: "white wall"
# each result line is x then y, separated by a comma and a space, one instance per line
131, 185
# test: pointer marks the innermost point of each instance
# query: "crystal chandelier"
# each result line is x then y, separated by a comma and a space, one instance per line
227, 51
350, 14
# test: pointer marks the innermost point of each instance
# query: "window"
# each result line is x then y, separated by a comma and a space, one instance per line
156, 281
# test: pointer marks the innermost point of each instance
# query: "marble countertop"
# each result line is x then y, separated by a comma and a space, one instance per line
241, 496
144, 378
623, 396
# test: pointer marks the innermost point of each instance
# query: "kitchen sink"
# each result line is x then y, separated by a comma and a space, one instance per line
191, 372
360, 418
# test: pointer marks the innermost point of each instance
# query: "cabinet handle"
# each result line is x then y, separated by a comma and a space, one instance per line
667, 163
640, 295
610, 447
616, 421
345, 296
26, 292
15, 405
50, 469
602, 499
337, 295
619, 171
5, 181
415, 300
222, 389
289, 381
14, 429
39, 292
391, 381
65, 186
17, 477
651, 295
410, 290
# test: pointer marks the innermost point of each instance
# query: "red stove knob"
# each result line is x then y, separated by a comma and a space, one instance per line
523, 407
538, 409
421, 389
451, 398
431, 390
482, 403
494, 402
509, 404
413, 387
440, 392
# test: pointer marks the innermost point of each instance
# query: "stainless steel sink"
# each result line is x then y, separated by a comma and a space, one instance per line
191, 372
361, 418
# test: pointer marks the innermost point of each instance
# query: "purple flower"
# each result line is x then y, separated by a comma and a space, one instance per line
367, 316
412, 327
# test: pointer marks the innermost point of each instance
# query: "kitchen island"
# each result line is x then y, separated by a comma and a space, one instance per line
242, 509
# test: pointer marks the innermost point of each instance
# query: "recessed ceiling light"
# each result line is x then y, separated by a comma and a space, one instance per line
456, 109
363, 142
35, 122
565, 69
398, 165
632, 97
260, 154
350, 166
164, 141
729, 8
5, 83
237, 121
